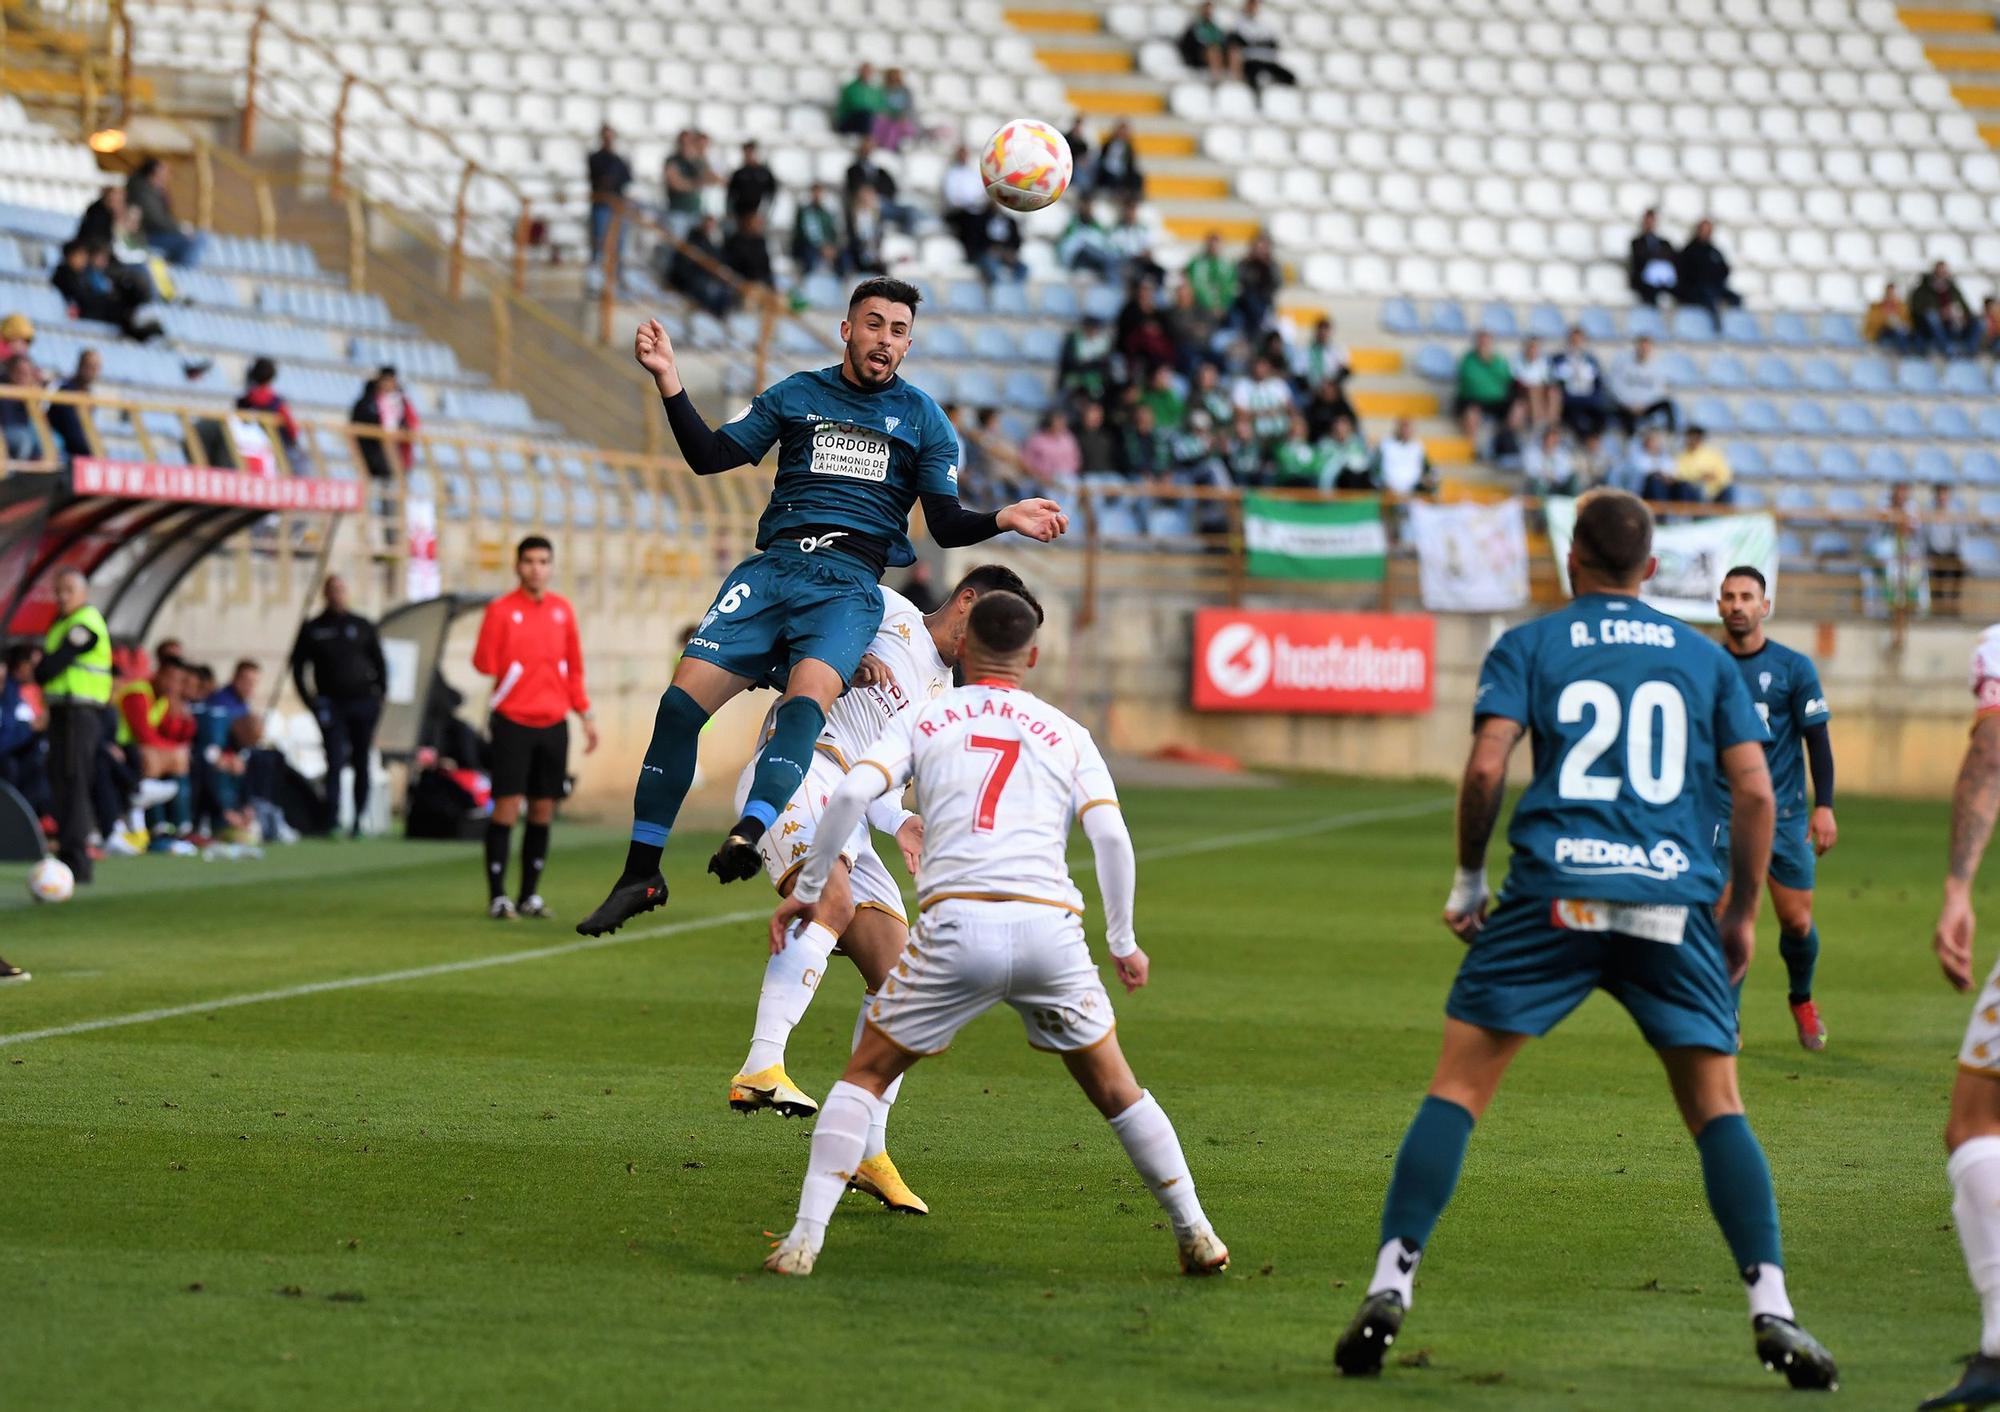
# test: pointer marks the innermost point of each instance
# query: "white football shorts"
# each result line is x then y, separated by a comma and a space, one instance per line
1981, 1049
964, 957
785, 844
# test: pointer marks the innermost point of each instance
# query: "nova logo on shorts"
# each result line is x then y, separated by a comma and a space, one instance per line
1665, 860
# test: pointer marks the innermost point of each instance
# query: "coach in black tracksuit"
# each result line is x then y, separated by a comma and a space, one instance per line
338, 668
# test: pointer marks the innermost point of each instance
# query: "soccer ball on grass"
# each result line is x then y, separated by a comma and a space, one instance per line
51, 881
1026, 165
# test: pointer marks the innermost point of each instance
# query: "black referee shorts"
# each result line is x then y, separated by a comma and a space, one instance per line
530, 760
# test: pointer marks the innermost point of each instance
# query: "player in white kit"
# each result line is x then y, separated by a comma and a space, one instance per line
909, 663
1000, 776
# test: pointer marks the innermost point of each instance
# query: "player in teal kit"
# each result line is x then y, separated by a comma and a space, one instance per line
857, 448
1634, 717
1785, 687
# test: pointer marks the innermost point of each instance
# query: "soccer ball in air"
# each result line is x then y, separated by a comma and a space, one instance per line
1026, 165
51, 881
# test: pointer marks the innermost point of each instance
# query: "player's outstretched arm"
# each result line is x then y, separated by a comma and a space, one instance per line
1753, 813
1480, 793
706, 450
1975, 801
844, 810
1118, 885
954, 527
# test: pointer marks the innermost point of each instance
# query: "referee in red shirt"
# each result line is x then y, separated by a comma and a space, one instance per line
529, 645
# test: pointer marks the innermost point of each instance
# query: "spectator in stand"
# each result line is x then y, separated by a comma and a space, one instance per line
864, 233
1163, 395
1267, 397
1206, 46
1402, 466
1593, 463
1484, 388
751, 185
260, 394
1944, 549
1585, 407
383, 404
692, 268
1348, 457
1243, 452
1145, 452
1212, 275
1650, 266
1086, 245
101, 218
1096, 445
1210, 396
1299, 462
686, 177
965, 201
861, 100
1143, 336
1324, 359
608, 174
1702, 471
17, 422
17, 335
747, 251
1118, 169
1887, 322
1989, 324
1133, 238
65, 420
1541, 397
1080, 149
1648, 468
1326, 404
1193, 455
896, 122
1193, 329
94, 289
865, 171
178, 243
1941, 318
1547, 468
1257, 45
338, 668
23, 721
1638, 389
1702, 275
1083, 368
1052, 455
999, 255
816, 235
1899, 578
1257, 278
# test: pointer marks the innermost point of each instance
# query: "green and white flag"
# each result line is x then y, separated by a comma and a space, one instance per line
1302, 539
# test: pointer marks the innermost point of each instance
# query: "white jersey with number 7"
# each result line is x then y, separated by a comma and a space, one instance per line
1000, 776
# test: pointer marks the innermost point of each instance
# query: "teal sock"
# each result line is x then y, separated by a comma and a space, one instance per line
668, 770
1427, 1166
183, 804
1801, 955
782, 763
1739, 1191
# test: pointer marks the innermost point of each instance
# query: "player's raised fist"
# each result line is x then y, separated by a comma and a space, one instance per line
654, 352
1036, 519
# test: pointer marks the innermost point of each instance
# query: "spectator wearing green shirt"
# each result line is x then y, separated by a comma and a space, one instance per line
1300, 462
1086, 245
1163, 395
1485, 387
1210, 396
1213, 277
860, 101
1349, 457
1205, 46
816, 234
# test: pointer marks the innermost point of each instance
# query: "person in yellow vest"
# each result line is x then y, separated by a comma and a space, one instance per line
75, 676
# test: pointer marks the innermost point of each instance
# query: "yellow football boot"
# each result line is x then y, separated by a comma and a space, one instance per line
770, 1088
878, 1177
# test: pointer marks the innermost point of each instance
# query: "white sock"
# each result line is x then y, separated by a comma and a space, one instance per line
837, 1139
878, 1131
1148, 1135
1766, 1285
1396, 1269
790, 978
1975, 1179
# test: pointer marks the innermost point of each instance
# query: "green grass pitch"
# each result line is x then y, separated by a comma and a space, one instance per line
518, 1185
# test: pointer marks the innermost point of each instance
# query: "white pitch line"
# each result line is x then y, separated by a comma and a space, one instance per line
1327, 824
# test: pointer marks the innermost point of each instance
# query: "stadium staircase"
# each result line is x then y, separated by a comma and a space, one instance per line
1962, 41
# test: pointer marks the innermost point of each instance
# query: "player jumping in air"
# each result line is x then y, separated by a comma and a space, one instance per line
861, 909
1972, 1134
857, 448
1786, 691
1000, 776
1634, 716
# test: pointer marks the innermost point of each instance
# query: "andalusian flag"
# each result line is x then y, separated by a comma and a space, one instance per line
1304, 539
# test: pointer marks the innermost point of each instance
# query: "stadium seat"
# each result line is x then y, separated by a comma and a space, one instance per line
1933, 466
1790, 461
1839, 463
1902, 421
1951, 423
1980, 467
1855, 419
1871, 375
1885, 463
1807, 418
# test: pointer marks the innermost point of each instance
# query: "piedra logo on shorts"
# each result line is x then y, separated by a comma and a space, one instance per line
1665, 860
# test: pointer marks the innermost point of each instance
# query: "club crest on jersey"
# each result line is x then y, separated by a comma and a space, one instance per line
1763, 681
892, 422
1665, 860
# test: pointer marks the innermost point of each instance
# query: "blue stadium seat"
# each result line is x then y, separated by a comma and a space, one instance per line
1726, 371
1746, 460
1840, 330
1807, 418
1831, 544
1447, 318
1871, 375
1788, 330
1790, 461
1545, 321
1679, 369
1104, 302
1596, 323
1055, 300
1987, 504
1791, 548
1933, 466
966, 296
1854, 419
1712, 413
1041, 344
1989, 424
1980, 467
1644, 319
1435, 362
1886, 463
1741, 326
1903, 421
1116, 519
977, 389
1846, 500
1774, 374
993, 343
1028, 389
1837, 463
1758, 417
1168, 520
1982, 557
1951, 423
945, 338
1693, 326
1964, 379
1749, 497
824, 290
1917, 377
1795, 500
1499, 320
1399, 316
940, 383
1822, 374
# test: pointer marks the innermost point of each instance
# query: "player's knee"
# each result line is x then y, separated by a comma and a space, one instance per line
506, 810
